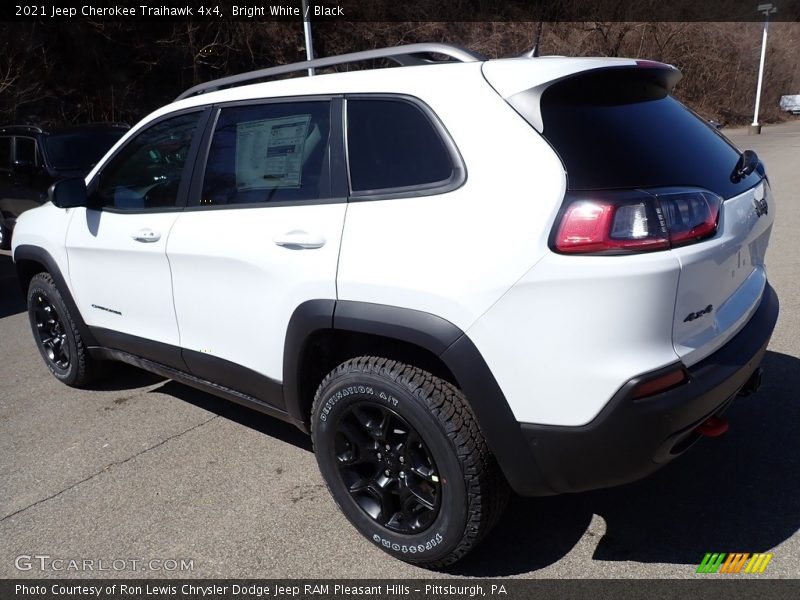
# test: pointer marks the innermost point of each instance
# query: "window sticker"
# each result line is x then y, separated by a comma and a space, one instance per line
269, 152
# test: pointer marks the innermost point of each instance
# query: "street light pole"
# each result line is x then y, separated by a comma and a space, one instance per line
307, 33
766, 10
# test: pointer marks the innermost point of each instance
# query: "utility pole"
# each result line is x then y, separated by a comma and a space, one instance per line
307, 33
766, 10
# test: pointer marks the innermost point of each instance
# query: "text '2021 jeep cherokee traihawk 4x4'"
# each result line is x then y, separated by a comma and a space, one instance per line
542, 273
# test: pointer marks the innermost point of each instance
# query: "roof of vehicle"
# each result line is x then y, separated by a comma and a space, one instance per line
20, 129
431, 80
84, 128
508, 76
520, 76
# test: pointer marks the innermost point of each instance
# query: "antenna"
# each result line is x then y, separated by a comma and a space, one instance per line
534, 52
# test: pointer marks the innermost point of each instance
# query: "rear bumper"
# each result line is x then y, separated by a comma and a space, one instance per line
630, 438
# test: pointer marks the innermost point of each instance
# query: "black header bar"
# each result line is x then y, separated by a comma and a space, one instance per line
401, 10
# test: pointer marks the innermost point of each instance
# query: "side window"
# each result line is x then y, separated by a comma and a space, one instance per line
392, 144
268, 153
25, 150
146, 173
5, 152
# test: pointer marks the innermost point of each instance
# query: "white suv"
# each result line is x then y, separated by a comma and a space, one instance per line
459, 276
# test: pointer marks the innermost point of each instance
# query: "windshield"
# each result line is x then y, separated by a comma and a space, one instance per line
80, 150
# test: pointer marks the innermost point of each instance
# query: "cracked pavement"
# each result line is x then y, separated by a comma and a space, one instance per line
142, 468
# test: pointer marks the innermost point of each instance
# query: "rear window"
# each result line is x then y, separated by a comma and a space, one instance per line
621, 129
80, 150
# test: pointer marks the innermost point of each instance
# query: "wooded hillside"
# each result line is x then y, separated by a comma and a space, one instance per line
92, 71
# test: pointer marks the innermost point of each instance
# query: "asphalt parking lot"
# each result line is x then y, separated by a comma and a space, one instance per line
142, 468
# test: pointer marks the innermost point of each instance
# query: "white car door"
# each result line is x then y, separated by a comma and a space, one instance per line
260, 236
116, 249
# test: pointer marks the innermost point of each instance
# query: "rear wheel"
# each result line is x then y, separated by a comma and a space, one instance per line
405, 461
56, 335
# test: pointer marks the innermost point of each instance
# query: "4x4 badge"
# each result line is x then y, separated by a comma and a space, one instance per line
761, 207
698, 314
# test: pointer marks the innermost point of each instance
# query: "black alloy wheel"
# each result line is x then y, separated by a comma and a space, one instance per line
387, 468
405, 461
51, 332
57, 336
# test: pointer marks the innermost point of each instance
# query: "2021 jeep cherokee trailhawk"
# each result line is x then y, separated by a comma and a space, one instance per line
538, 273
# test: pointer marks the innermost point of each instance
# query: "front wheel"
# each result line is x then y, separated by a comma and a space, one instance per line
56, 335
404, 459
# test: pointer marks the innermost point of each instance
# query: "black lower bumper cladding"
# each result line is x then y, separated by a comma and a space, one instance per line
631, 438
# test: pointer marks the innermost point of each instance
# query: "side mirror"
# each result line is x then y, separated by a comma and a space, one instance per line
23, 167
68, 193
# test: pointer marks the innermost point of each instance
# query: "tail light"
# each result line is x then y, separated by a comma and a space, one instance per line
635, 220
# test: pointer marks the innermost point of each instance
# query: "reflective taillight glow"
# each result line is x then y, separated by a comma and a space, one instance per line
661, 383
636, 221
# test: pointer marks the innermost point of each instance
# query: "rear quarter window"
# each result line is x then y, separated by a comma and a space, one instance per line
393, 146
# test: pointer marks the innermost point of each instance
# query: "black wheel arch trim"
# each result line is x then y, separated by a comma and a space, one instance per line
41, 256
307, 319
442, 338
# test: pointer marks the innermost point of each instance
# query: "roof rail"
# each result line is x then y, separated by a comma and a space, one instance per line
21, 129
407, 55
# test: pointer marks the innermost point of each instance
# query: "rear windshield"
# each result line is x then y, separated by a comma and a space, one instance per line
620, 129
80, 150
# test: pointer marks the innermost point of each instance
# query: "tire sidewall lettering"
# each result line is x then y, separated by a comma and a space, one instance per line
434, 540
444, 533
361, 390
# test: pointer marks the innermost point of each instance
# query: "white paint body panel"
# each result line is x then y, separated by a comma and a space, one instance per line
455, 254
44, 227
510, 76
727, 273
566, 337
109, 269
235, 289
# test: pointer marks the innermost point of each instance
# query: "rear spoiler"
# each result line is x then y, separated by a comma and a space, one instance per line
615, 78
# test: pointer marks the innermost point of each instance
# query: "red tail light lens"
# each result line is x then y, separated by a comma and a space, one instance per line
690, 216
635, 221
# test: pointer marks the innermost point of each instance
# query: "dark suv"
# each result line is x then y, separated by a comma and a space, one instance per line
32, 158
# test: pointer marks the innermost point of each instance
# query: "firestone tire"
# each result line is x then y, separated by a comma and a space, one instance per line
56, 335
405, 461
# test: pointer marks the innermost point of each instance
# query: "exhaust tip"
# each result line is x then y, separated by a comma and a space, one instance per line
753, 384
